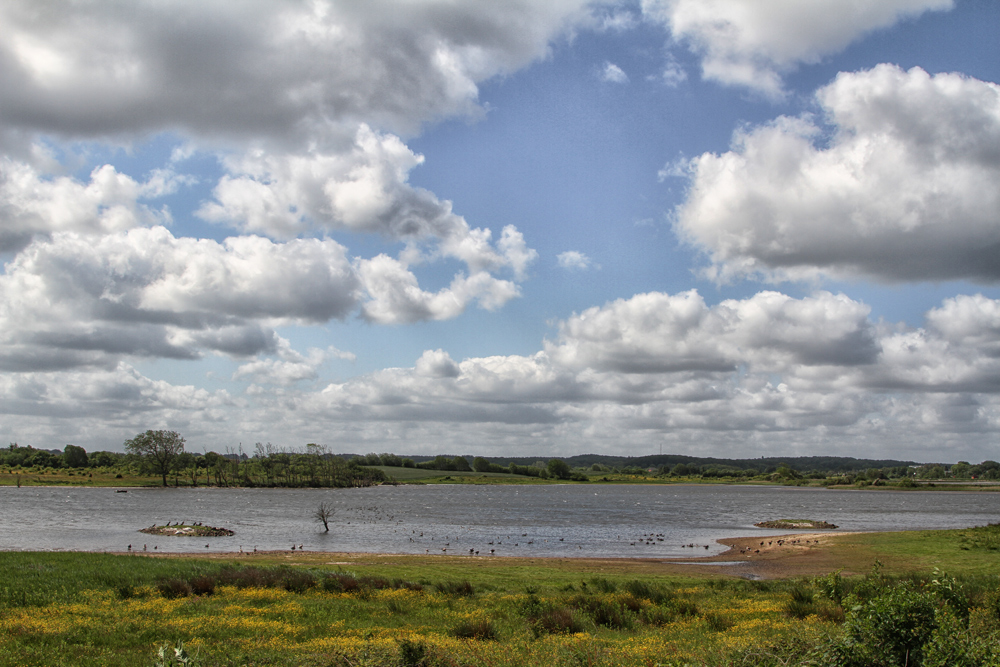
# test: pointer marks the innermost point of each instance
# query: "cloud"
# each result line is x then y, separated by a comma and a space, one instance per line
662, 333
366, 190
612, 73
394, 296
32, 204
277, 70
752, 44
905, 188
673, 74
75, 301
748, 375
769, 369
436, 364
289, 366
574, 260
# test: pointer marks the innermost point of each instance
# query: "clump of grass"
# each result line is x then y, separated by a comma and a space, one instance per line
645, 591
603, 585
604, 610
459, 588
657, 615
801, 603
477, 627
412, 654
718, 622
981, 537
126, 592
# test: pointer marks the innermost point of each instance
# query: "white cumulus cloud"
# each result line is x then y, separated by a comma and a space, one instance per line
752, 44
574, 260
613, 73
905, 189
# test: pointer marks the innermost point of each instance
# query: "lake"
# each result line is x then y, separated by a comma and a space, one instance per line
545, 520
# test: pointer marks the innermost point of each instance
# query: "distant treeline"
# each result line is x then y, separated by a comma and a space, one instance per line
802, 467
267, 467
555, 468
316, 466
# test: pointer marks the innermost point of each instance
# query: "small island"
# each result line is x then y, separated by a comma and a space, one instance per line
796, 524
184, 530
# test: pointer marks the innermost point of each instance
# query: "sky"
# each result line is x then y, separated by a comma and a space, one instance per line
727, 228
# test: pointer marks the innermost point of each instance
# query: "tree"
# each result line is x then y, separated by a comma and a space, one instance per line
158, 449
75, 457
323, 514
480, 464
558, 468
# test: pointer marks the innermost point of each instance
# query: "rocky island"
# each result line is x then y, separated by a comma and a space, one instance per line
186, 530
796, 524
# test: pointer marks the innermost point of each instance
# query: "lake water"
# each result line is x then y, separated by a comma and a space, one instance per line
557, 520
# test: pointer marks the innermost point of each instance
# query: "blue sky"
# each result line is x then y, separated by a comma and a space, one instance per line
534, 228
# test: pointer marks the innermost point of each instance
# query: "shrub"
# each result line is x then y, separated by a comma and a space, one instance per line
605, 611
831, 586
375, 583
248, 577
298, 582
476, 627
174, 588
555, 620
412, 654
684, 608
340, 582
891, 628
203, 585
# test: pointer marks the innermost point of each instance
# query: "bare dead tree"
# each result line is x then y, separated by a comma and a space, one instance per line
323, 514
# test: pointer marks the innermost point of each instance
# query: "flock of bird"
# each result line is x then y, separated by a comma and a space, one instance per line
375, 515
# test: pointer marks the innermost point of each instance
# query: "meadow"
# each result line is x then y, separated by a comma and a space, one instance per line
939, 608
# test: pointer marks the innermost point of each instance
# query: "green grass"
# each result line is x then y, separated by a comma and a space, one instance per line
394, 611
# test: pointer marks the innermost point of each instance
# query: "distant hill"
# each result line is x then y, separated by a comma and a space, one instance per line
827, 464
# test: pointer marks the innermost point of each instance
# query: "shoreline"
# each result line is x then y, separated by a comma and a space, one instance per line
798, 554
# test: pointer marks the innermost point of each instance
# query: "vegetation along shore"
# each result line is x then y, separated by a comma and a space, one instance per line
162, 461
912, 598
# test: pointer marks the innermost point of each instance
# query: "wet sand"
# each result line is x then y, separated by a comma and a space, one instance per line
773, 557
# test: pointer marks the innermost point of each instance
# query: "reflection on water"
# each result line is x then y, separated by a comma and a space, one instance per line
560, 520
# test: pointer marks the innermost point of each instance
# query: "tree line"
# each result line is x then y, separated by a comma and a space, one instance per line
162, 453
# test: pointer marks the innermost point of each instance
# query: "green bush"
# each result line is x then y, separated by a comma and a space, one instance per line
889, 629
412, 654
478, 627
174, 588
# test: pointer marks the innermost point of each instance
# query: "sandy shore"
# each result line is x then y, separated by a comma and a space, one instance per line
772, 557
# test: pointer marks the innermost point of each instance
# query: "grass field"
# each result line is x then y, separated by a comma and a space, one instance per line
365, 609
76, 477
